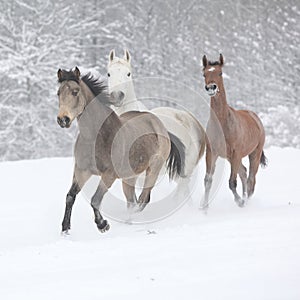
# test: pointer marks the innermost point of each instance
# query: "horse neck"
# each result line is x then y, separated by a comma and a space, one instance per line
130, 96
95, 116
218, 103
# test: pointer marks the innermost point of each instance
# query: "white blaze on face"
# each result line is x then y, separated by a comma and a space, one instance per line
211, 69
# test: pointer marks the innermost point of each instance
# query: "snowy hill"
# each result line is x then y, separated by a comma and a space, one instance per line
230, 253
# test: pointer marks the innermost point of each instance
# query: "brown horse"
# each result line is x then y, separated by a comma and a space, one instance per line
111, 146
241, 130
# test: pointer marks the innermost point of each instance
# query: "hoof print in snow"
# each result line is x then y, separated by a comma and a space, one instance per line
151, 232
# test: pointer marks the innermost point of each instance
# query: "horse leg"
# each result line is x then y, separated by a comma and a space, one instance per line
79, 179
235, 163
254, 159
211, 159
152, 173
129, 192
243, 175
105, 183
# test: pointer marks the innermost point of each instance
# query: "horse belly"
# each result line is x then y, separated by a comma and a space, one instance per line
252, 134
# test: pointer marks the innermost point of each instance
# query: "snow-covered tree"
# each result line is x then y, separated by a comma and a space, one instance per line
259, 40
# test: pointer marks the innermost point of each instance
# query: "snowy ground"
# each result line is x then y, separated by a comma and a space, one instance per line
230, 253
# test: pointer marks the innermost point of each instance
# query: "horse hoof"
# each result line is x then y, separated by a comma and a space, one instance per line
103, 226
240, 202
205, 210
203, 206
106, 228
141, 206
65, 233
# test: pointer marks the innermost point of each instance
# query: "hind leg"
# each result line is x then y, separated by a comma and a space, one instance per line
235, 163
129, 191
243, 176
254, 159
152, 173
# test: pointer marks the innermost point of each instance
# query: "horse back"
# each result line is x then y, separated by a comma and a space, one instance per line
143, 121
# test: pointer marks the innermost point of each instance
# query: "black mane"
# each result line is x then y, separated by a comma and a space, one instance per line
67, 75
97, 87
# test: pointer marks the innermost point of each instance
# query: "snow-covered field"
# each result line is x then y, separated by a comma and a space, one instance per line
230, 253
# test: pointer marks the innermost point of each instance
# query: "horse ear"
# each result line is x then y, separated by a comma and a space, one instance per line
59, 74
112, 55
204, 61
221, 60
77, 73
127, 55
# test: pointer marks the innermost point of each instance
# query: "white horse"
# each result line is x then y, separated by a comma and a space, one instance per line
180, 123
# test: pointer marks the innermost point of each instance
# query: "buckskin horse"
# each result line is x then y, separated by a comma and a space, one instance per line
111, 146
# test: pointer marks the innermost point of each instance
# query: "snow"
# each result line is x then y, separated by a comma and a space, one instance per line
230, 253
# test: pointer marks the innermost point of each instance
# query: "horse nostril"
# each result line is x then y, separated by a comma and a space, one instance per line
121, 96
211, 86
113, 95
64, 121
58, 120
117, 96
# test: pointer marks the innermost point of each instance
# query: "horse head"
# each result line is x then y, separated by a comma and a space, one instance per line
212, 72
71, 100
119, 75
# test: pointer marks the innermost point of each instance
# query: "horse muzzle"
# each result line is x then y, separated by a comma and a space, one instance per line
117, 98
64, 122
211, 89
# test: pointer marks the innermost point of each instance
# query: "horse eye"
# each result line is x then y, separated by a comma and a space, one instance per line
204, 75
220, 74
75, 93
128, 74
108, 74
58, 93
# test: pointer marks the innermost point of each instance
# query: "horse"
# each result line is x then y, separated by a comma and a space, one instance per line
180, 123
111, 146
243, 133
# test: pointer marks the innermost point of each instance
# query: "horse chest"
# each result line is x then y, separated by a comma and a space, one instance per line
85, 157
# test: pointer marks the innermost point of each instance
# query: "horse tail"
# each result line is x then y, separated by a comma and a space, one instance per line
176, 159
263, 160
